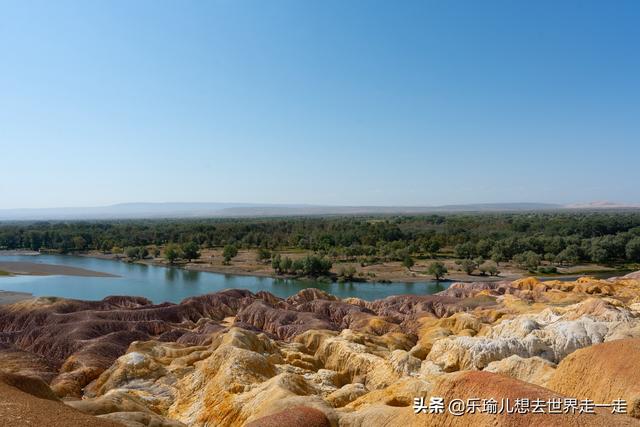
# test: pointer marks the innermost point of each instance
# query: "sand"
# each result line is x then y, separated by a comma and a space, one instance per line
9, 297
33, 268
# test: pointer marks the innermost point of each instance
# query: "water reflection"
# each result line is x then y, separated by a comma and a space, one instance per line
190, 275
170, 274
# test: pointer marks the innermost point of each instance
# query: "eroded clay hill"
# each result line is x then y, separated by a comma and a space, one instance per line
235, 358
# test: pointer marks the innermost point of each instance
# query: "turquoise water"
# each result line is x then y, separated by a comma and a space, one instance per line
161, 284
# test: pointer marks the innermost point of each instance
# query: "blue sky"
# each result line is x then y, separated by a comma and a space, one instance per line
325, 102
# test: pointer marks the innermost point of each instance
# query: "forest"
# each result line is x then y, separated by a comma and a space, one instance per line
526, 238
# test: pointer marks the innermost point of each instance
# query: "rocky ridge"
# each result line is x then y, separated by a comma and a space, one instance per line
236, 358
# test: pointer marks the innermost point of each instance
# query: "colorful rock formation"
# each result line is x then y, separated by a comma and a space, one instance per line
236, 358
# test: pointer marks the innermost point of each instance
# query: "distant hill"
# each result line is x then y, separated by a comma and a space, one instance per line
198, 210
123, 210
193, 210
352, 210
603, 205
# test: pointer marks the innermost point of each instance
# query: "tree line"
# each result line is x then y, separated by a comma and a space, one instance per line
559, 238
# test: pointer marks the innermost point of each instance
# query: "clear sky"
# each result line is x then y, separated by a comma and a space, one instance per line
325, 102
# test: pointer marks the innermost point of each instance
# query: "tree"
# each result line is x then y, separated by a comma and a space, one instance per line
229, 252
408, 262
490, 268
570, 255
143, 252
549, 257
275, 263
632, 249
467, 265
498, 254
529, 260
605, 249
79, 243
117, 251
264, 255
286, 265
171, 253
136, 252
437, 269
314, 266
191, 250
296, 266
131, 252
465, 250
348, 273
483, 247
432, 247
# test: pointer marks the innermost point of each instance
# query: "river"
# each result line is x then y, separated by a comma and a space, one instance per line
160, 284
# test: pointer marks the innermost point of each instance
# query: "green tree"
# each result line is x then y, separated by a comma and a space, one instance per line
437, 270
347, 273
171, 253
296, 266
483, 247
498, 254
229, 252
408, 262
467, 265
569, 255
263, 255
314, 266
632, 249
143, 252
190, 250
465, 250
136, 252
275, 263
116, 250
490, 268
79, 243
432, 248
131, 252
529, 260
286, 265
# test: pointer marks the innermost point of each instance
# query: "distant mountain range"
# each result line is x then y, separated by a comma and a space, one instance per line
195, 210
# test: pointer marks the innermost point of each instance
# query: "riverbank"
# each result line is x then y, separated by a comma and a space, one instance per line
9, 297
246, 264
